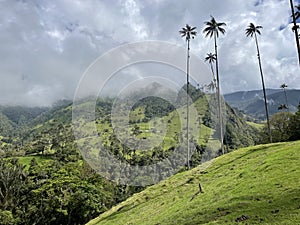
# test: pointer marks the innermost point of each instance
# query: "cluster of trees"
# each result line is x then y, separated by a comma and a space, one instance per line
153, 107
285, 126
52, 192
57, 186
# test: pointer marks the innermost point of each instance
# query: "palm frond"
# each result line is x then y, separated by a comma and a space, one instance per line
222, 30
213, 27
188, 32
210, 57
221, 24
252, 29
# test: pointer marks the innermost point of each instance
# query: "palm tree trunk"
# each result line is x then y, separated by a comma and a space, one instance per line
295, 30
264, 89
212, 70
187, 103
219, 97
286, 100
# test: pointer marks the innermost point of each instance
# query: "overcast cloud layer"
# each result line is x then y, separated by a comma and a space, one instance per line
47, 45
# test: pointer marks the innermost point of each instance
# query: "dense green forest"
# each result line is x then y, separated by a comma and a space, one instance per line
44, 179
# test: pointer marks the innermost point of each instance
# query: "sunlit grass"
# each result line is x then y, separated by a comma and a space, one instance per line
262, 183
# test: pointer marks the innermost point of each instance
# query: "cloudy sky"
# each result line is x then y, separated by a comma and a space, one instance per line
45, 46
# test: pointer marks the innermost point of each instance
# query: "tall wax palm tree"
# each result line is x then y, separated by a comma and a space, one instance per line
211, 58
283, 87
188, 32
250, 31
296, 16
212, 29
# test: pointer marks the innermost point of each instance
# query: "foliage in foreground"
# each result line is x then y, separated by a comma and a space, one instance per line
53, 193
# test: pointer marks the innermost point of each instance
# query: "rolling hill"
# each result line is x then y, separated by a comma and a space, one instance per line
254, 185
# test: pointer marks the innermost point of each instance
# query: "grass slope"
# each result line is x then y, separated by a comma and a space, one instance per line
258, 184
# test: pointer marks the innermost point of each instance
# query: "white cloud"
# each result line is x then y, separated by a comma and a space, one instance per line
47, 45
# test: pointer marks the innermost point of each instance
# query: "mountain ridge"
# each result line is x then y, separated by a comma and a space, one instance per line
252, 102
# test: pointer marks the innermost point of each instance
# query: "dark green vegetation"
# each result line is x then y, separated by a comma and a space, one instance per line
285, 126
45, 191
43, 179
254, 185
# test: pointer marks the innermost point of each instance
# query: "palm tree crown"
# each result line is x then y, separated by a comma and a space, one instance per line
188, 32
213, 27
252, 29
210, 57
282, 107
283, 86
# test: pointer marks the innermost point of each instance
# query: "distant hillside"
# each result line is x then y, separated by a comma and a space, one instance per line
252, 103
255, 185
6, 126
32, 124
21, 115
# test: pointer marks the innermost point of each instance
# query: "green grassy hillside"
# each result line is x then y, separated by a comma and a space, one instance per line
255, 185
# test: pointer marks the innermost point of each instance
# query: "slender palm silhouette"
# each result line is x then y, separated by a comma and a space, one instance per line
211, 58
283, 87
251, 31
295, 28
282, 107
297, 13
188, 32
212, 29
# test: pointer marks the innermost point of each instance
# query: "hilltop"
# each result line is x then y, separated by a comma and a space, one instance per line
254, 185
